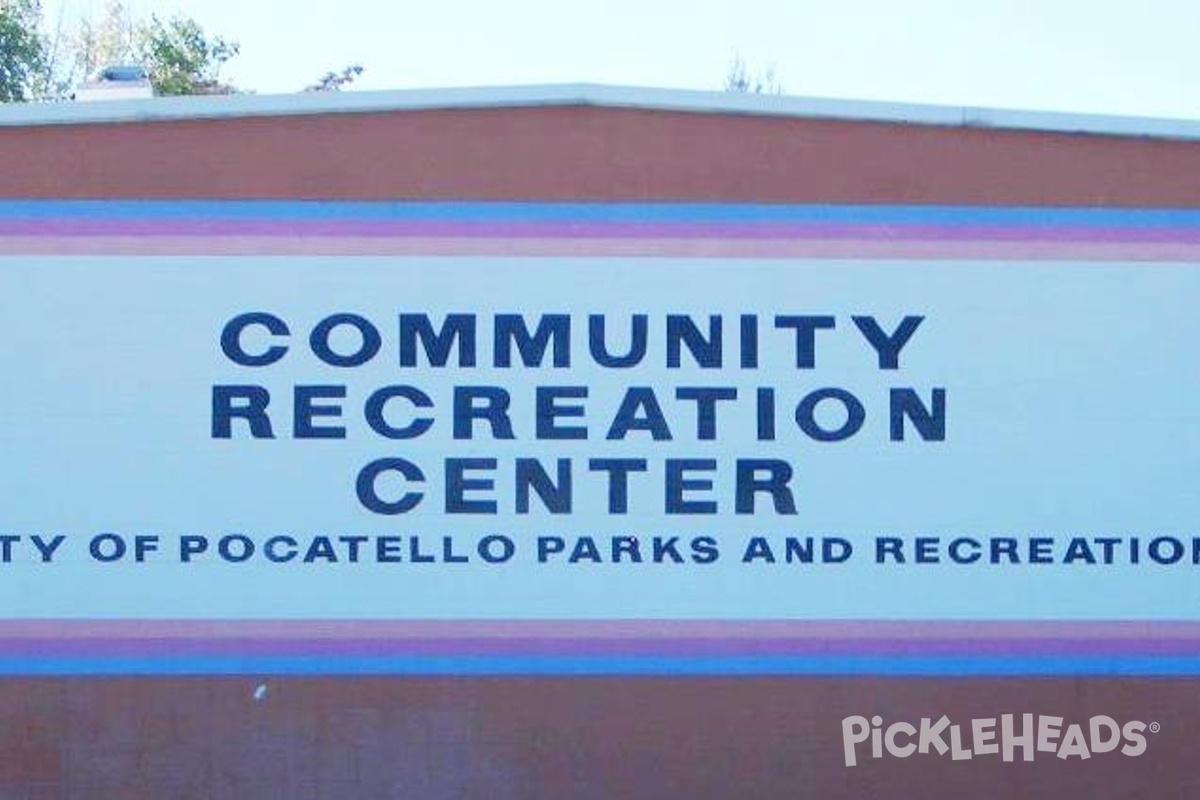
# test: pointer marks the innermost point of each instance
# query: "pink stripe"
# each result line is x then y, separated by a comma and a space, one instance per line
592, 248
593, 230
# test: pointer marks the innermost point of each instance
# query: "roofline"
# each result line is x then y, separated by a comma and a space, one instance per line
586, 94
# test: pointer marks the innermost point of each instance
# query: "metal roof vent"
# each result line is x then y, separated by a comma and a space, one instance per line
116, 82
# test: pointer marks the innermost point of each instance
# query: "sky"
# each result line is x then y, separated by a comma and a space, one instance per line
1091, 56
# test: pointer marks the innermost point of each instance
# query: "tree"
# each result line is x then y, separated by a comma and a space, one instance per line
181, 58
742, 79
111, 40
334, 81
22, 51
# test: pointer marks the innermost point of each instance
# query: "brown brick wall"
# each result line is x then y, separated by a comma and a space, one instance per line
549, 738
558, 738
593, 154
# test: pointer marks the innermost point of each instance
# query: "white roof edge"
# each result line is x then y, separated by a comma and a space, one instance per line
585, 94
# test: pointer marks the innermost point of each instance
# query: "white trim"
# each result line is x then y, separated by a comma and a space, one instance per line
584, 94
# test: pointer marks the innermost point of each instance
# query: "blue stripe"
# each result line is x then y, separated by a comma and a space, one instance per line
881, 666
588, 212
